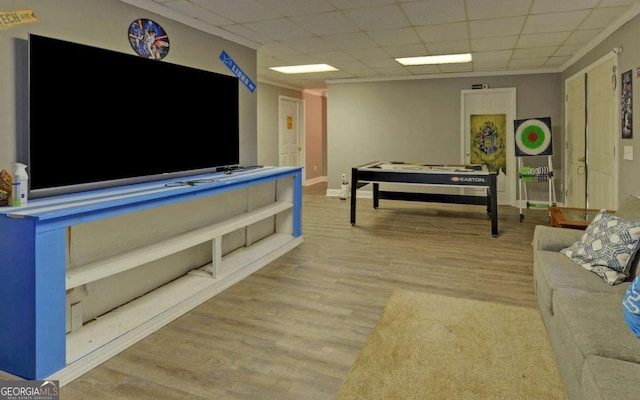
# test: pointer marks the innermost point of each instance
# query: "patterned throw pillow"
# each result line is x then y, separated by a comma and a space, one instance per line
607, 247
631, 306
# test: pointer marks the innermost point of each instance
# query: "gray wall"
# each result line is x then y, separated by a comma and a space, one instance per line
104, 24
419, 120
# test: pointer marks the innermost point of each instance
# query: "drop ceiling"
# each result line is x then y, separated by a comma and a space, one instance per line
362, 38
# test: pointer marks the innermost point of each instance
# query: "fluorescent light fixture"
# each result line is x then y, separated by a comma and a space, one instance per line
443, 59
303, 69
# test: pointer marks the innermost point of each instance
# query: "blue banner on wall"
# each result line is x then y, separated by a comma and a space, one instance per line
237, 71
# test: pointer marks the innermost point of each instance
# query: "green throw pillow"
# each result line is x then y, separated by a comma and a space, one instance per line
607, 247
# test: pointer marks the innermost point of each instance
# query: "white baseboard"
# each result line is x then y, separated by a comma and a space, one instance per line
366, 194
313, 181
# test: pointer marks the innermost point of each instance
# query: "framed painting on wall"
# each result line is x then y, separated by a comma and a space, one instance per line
627, 106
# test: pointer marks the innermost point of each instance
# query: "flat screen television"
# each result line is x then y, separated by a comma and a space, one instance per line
100, 118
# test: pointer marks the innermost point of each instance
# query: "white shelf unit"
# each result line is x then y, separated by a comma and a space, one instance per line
134, 258
256, 213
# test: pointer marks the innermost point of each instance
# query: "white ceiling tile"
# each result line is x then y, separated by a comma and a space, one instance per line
495, 43
423, 69
527, 63
383, 63
349, 4
242, 30
491, 9
412, 50
453, 47
326, 23
350, 40
350, 65
275, 49
566, 21
394, 72
365, 73
601, 17
491, 59
198, 12
290, 8
309, 45
534, 52
582, 36
437, 33
361, 33
616, 3
543, 39
428, 12
554, 6
567, 50
449, 68
238, 11
375, 18
394, 36
369, 53
496, 28
278, 29
334, 56
557, 61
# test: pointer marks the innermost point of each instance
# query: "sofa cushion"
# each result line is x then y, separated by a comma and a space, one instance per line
593, 324
553, 271
607, 247
630, 210
609, 379
631, 306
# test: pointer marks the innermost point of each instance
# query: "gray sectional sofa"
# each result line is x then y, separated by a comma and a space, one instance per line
598, 356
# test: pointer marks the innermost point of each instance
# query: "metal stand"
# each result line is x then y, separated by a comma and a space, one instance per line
537, 174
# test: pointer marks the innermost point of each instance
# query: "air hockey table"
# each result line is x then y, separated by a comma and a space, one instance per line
449, 175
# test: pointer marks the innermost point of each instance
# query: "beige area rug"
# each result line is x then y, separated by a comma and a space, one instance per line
427, 346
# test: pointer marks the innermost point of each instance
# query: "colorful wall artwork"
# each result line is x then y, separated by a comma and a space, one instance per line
627, 106
489, 141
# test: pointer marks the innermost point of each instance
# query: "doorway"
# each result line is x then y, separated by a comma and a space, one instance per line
291, 133
494, 105
592, 127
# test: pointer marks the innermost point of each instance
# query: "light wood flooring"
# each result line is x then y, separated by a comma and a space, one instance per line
293, 329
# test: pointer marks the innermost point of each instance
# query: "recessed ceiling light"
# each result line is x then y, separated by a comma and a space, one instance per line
303, 69
443, 59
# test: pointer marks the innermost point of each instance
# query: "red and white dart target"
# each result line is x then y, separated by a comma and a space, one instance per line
533, 137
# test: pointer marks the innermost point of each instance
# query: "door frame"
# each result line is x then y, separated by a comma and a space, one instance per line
511, 115
301, 131
615, 131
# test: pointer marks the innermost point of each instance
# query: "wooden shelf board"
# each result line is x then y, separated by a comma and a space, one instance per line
122, 262
117, 330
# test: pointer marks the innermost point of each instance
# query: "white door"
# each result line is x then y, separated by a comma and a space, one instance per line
498, 105
575, 188
592, 132
602, 124
291, 134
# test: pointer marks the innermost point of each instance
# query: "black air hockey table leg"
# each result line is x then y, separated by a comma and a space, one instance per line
493, 203
354, 188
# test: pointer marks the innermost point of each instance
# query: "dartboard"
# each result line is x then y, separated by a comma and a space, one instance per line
533, 137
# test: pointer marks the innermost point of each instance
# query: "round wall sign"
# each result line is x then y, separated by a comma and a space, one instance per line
148, 39
533, 137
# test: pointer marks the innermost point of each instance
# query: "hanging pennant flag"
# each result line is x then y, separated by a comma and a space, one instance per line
233, 67
9, 19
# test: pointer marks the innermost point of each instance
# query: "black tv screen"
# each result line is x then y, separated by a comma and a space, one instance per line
100, 118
